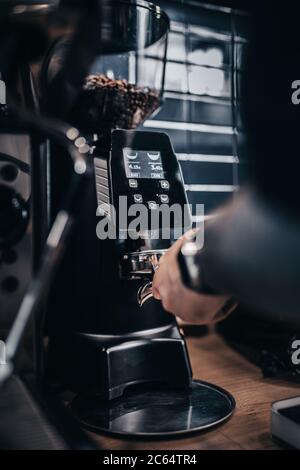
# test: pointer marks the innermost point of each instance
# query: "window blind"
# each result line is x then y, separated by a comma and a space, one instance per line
201, 112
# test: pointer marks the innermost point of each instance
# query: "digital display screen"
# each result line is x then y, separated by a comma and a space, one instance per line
143, 164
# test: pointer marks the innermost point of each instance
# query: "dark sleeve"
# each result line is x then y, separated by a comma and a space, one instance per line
252, 252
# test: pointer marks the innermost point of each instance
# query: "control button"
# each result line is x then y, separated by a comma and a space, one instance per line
133, 183
138, 198
164, 184
152, 205
164, 198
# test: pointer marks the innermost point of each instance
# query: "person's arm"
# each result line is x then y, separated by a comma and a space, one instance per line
252, 252
182, 300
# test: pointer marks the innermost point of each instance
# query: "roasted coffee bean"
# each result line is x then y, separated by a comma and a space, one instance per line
105, 104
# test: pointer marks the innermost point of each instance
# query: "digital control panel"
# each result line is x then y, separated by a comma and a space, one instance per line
143, 163
143, 170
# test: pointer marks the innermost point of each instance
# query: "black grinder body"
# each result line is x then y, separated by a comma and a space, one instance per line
104, 335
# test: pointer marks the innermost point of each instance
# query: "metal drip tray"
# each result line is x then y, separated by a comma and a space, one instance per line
157, 413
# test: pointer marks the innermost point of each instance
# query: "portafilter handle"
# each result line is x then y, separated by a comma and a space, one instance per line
141, 265
144, 293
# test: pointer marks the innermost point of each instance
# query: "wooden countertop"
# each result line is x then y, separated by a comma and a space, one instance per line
249, 428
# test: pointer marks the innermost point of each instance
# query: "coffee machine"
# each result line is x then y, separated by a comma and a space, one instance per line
110, 341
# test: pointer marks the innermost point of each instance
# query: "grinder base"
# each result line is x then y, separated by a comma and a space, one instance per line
158, 412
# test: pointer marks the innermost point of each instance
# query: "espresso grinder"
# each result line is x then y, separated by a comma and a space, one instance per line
111, 342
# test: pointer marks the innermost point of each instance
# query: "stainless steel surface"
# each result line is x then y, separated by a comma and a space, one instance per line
168, 329
144, 293
140, 264
157, 412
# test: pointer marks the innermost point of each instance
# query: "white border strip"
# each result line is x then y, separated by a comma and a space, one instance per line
211, 188
181, 96
189, 126
197, 157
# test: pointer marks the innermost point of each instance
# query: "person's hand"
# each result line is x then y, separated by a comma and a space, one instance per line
177, 299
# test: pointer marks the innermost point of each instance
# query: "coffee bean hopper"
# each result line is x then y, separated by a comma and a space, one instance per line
111, 342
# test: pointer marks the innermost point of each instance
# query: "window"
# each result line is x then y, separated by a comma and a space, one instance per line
197, 112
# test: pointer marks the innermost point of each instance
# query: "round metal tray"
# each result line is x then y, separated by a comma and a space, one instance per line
157, 412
